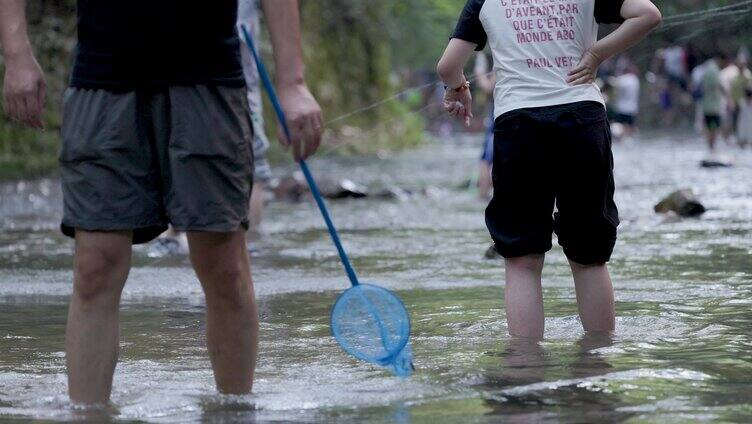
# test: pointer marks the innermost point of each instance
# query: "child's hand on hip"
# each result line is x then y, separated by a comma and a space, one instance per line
459, 104
585, 72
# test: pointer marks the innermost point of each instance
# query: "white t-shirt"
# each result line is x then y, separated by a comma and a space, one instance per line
535, 43
673, 61
627, 87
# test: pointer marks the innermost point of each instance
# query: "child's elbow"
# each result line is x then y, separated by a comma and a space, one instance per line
445, 69
654, 17
442, 69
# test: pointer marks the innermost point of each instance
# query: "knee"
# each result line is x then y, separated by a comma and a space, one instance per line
99, 275
529, 263
227, 287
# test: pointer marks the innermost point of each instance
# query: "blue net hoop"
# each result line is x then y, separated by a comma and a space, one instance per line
372, 324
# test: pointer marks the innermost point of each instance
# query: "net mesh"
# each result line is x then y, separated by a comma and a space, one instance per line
372, 324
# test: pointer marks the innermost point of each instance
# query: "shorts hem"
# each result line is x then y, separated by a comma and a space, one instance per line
142, 233
213, 228
591, 258
511, 253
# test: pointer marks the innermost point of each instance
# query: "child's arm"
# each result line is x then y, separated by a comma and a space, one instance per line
641, 17
457, 98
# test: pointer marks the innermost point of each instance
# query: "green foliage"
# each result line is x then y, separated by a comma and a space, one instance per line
351, 64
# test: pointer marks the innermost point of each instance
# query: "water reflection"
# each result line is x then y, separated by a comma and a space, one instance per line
532, 382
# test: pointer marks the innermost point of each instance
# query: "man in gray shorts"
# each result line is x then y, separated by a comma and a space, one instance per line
155, 131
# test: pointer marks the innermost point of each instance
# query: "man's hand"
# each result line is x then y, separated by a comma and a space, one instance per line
304, 119
24, 87
24, 90
586, 71
459, 104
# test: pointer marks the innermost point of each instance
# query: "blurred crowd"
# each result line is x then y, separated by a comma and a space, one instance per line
714, 89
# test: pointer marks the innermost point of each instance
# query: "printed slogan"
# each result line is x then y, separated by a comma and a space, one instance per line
540, 21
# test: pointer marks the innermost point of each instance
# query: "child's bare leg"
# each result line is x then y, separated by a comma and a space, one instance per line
523, 296
595, 296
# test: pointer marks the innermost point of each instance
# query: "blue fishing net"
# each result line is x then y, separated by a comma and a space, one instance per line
369, 322
372, 324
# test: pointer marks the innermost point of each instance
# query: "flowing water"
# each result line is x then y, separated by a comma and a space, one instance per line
682, 350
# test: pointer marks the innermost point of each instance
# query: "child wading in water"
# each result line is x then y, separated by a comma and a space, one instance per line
744, 126
552, 144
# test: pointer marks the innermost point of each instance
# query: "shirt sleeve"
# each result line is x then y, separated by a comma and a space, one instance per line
608, 11
469, 27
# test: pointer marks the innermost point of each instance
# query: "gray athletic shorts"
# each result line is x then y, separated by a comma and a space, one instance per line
137, 161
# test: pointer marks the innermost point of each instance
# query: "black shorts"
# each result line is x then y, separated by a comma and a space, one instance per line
558, 155
626, 119
712, 122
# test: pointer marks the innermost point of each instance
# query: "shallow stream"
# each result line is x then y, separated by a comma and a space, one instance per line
682, 350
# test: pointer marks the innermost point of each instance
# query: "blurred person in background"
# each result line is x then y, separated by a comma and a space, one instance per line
697, 76
713, 100
486, 81
675, 65
248, 15
738, 88
672, 81
744, 124
729, 73
626, 104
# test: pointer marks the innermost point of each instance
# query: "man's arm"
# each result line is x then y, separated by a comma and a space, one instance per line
24, 86
640, 17
303, 112
457, 100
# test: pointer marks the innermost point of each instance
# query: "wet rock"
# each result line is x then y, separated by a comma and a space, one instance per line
681, 202
294, 186
715, 163
341, 189
492, 253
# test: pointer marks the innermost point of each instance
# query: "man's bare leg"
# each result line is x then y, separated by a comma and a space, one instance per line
222, 265
595, 296
101, 265
523, 296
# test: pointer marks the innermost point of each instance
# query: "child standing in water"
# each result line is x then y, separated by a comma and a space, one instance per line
744, 124
552, 144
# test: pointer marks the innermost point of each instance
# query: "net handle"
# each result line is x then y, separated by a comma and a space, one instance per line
266, 81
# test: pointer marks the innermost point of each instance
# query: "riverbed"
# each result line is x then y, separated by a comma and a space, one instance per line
682, 350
